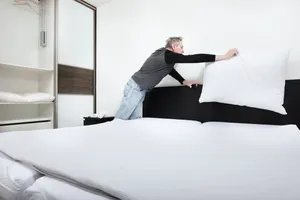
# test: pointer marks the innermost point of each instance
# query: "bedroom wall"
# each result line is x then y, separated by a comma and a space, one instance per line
128, 31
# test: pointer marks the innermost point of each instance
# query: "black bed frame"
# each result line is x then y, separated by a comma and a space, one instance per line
181, 102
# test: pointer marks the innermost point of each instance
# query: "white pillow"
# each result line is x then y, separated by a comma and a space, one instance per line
38, 97
15, 178
252, 78
49, 188
10, 97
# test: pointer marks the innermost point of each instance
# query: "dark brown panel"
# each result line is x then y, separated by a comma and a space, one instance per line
74, 80
182, 103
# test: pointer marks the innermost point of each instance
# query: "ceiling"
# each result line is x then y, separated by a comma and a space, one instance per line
97, 2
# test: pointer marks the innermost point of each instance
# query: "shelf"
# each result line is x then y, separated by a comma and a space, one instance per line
24, 68
25, 121
24, 103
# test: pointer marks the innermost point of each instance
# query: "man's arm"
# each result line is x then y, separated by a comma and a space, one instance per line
181, 80
173, 58
176, 76
229, 54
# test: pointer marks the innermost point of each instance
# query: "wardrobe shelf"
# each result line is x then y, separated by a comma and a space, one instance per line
25, 103
24, 68
27, 120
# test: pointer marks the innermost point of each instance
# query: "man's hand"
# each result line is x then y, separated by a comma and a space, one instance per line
229, 54
191, 83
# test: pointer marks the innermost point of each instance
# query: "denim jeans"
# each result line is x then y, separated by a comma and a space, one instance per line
132, 102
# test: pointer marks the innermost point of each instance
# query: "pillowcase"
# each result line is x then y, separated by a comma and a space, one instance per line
10, 97
38, 97
252, 78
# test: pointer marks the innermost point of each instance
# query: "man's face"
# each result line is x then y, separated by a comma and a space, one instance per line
178, 48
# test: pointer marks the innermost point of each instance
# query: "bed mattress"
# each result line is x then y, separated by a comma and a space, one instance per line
169, 160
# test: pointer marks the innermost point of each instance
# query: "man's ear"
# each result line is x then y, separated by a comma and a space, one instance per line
173, 46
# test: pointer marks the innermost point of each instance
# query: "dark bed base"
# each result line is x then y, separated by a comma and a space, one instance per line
182, 103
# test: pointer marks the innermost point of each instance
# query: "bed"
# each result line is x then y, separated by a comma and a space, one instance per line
181, 149
183, 160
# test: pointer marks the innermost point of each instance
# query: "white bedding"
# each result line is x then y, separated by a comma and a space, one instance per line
46, 188
150, 159
14, 179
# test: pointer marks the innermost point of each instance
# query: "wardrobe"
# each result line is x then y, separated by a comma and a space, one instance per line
47, 63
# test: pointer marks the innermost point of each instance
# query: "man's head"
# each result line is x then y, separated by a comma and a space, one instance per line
175, 44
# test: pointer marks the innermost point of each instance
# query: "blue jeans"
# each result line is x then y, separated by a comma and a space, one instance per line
132, 102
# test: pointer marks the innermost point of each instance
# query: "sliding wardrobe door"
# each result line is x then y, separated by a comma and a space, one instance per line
76, 62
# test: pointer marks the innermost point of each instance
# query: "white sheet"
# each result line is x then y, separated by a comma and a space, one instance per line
168, 159
46, 188
14, 179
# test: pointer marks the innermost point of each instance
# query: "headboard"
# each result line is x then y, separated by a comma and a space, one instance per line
181, 102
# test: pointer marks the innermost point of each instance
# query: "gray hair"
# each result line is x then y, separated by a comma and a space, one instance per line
172, 40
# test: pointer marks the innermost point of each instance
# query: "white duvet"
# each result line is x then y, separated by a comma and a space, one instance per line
46, 188
152, 159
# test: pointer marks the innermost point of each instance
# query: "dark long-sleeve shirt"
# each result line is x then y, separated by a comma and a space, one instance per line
161, 63
173, 58
176, 76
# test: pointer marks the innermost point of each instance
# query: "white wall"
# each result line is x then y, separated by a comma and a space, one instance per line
19, 35
128, 31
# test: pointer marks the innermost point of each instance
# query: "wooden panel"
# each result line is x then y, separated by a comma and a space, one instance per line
74, 80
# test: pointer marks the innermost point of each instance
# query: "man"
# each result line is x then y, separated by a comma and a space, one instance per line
155, 68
